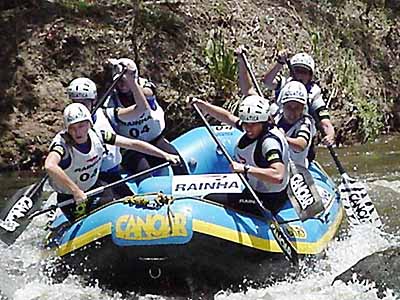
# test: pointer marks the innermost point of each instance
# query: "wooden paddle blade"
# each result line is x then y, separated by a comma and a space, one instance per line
286, 246
357, 203
303, 193
14, 217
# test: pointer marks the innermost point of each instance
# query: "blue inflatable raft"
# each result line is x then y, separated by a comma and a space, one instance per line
169, 228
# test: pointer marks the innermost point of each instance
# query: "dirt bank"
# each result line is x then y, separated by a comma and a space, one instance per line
45, 44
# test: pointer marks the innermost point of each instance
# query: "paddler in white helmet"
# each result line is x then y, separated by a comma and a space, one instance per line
295, 123
76, 155
261, 154
136, 113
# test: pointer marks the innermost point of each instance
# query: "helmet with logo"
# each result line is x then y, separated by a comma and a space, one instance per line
303, 60
117, 66
254, 109
293, 91
82, 88
75, 113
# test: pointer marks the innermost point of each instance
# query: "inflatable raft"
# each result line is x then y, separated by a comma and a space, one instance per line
170, 228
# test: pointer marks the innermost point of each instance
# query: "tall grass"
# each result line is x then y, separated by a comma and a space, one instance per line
221, 64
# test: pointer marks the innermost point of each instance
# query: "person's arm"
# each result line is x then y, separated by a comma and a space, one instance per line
137, 92
216, 112
245, 84
298, 144
302, 137
320, 113
59, 176
269, 79
329, 131
147, 86
273, 174
144, 147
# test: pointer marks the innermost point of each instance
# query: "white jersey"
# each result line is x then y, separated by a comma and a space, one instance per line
304, 127
112, 155
146, 127
271, 141
83, 169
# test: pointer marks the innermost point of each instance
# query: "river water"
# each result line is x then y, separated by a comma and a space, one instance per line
376, 163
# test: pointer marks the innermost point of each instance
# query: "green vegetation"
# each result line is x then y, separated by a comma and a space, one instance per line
221, 63
367, 111
344, 75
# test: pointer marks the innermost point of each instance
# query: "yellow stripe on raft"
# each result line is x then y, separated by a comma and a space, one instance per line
217, 231
264, 244
85, 239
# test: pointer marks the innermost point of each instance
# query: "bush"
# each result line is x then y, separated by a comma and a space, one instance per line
367, 111
221, 64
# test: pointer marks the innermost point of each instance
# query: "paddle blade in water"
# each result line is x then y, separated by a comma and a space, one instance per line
14, 217
286, 246
357, 203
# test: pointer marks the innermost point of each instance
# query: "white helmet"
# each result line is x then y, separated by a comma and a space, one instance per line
82, 88
117, 68
254, 109
76, 112
303, 60
293, 91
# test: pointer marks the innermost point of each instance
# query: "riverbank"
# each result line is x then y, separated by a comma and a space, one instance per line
355, 45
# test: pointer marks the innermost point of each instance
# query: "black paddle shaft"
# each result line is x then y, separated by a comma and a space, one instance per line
252, 76
37, 186
100, 189
287, 248
336, 160
109, 90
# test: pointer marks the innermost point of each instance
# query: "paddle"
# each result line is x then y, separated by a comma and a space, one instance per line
302, 192
109, 90
99, 189
13, 218
279, 235
356, 201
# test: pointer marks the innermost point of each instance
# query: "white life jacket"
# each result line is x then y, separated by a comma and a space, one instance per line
300, 158
147, 127
248, 154
112, 156
83, 169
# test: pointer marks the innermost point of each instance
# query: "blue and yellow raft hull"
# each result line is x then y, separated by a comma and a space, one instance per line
191, 234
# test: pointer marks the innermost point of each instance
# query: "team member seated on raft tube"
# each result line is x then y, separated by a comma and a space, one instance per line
143, 118
261, 154
83, 90
75, 157
304, 68
298, 127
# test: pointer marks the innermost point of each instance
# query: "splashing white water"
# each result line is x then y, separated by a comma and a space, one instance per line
394, 185
20, 276
317, 283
